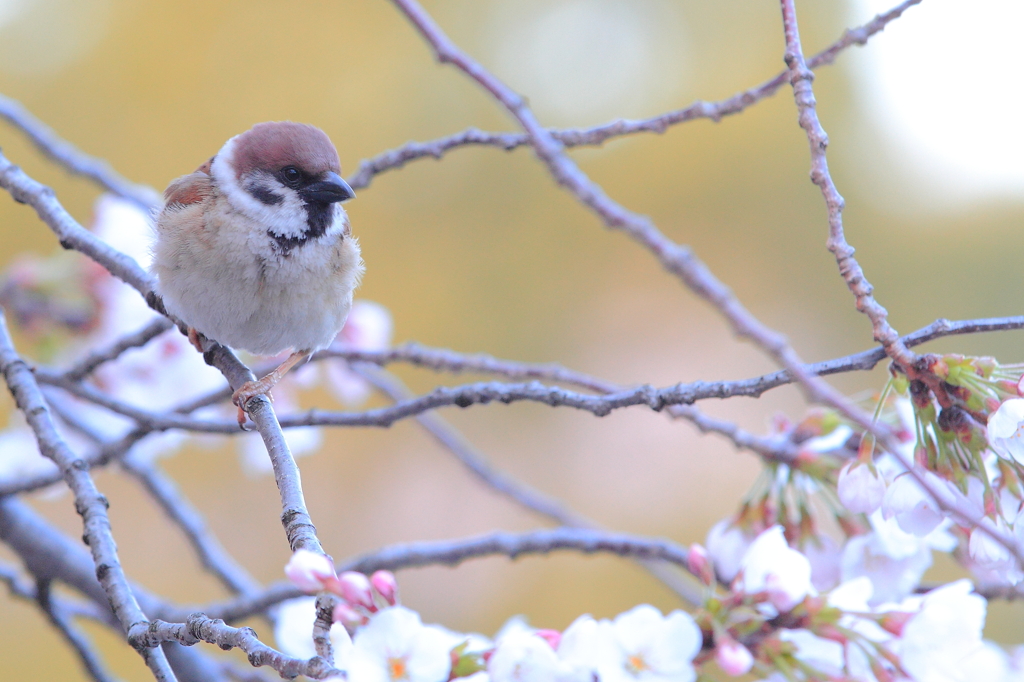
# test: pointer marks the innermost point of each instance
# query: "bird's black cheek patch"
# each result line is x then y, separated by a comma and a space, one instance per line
264, 195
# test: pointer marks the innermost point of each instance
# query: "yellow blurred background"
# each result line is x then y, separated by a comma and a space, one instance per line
482, 252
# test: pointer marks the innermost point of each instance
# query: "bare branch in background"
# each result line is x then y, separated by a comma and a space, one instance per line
72, 158
715, 111
514, 545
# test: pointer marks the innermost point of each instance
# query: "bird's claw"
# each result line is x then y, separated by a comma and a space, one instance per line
195, 338
247, 392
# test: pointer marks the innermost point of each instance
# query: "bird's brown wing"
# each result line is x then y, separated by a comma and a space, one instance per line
189, 189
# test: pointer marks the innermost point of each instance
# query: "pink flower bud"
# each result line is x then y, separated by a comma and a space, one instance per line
309, 571
355, 589
699, 564
386, 585
347, 616
895, 621
552, 637
734, 658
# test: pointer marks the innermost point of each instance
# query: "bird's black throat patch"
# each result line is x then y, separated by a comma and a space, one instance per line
318, 219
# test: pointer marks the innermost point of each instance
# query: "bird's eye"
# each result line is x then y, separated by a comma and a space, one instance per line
291, 175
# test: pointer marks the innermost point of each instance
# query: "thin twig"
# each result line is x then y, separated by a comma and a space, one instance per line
89, 363
214, 557
522, 494
800, 77
514, 545
76, 639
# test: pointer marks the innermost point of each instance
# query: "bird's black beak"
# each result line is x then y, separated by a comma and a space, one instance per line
330, 189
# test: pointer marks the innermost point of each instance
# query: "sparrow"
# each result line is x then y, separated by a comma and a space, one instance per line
254, 251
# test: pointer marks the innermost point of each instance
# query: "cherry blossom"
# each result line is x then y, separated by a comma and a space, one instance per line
943, 640
368, 328
772, 567
726, 544
861, 489
639, 644
1005, 430
396, 646
892, 559
915, 510
522, 656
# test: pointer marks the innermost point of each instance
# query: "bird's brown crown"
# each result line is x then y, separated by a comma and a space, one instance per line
276, 144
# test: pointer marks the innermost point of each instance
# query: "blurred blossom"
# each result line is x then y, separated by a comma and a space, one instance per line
19, 453
368, 328
825, 557
524, 657
165, 372
822, 654
861, 489
961, 148
914, 509
1005, 430
52, 299
643, 644
726, 544
941, 641
892, 559
772, 567
734, 658
584, 61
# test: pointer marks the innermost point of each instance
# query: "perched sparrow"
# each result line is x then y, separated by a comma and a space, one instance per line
254, 251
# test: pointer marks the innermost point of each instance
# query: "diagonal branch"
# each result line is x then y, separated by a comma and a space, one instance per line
89, 503
677, 259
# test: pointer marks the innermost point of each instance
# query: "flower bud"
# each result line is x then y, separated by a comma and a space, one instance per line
355, 589
699, 564
347, 616
895, 621
734, 658
308, 570
386, 585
